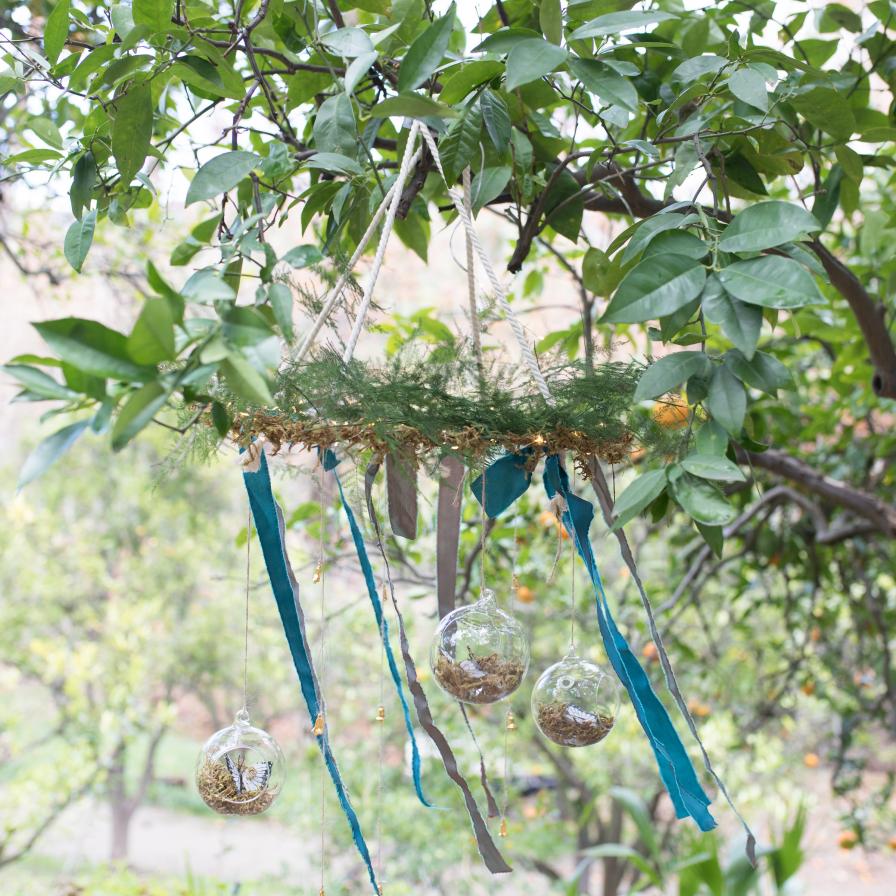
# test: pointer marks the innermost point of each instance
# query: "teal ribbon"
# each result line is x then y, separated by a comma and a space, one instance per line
330, 462
270, 528
505, 481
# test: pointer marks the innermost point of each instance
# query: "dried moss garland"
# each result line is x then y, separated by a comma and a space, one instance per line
418, 408
218, 791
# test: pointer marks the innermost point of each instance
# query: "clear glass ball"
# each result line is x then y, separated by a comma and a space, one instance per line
240, 769
479, 653
575, 703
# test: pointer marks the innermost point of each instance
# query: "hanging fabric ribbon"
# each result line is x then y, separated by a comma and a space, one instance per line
330, 462
270, 528
505, 481
493, 859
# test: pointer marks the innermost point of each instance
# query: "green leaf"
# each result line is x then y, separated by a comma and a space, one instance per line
460, 142
532, 59
771, 281
220, 174
92, 348
83, 179
637, 495
49, 451
152, 339
610, 87
220, 419
749, 85
139, 409
712, 466
711, 439
334, 162
78, 239
462, 79
655, 287
154, 13
767, 224
740, 322
334, 127
132, 130
56, 30
426, 52
280, 297
714, 536
828, 110
727, 400
762, 371
702, 501
38, 382
411, 105
643, 233
302, 256
348, 42
488, 184
669, 372
496, 117
550, 18
246, 381
615, 22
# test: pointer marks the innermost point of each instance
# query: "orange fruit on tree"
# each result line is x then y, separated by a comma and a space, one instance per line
524, 594
808, 688
892, 843
672, 414
649, 651
847, 839
811, 760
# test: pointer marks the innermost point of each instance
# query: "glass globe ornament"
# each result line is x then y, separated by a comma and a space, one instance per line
575, 702
240, 769
479, 653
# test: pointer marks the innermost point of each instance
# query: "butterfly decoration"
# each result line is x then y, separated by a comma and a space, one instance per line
251, 778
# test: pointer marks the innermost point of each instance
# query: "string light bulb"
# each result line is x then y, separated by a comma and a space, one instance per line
318, 728
381, 714
318, 572
502, 831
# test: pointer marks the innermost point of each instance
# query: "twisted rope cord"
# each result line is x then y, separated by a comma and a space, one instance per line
337, 291
384, 239
519, 333
471, 278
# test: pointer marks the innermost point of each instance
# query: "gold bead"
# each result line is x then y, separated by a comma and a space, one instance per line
318, 572
511, 722
502, 831
318, 728
381, 714
321, 893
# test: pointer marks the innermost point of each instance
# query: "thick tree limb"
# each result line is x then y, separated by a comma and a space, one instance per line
876, 512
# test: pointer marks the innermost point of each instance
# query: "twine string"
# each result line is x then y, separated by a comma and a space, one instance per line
246, 618
475, 326
323, 668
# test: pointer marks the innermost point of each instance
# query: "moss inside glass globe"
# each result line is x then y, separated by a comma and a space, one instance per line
479, 653
240, 769
575, 702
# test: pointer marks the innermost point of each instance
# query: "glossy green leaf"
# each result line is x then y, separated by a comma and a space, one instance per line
637, 495
220, 174
668, 373
426, 52
532, 59
84, 174
712, 466
92, 348
132, 130
828, 110
767, 224
461, 80
155, 14
246, 381
460, 142
49, 451
302, 256
740, 322
152, 339
488, 184
763, 371
78, 239
56, 30
38, 382
616, 22
550, 18
770, 281
411, 105
655, 287
497, 118
702, 501
727, 400
137, 412
280, 297
348, 42
748, 85
608, 86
